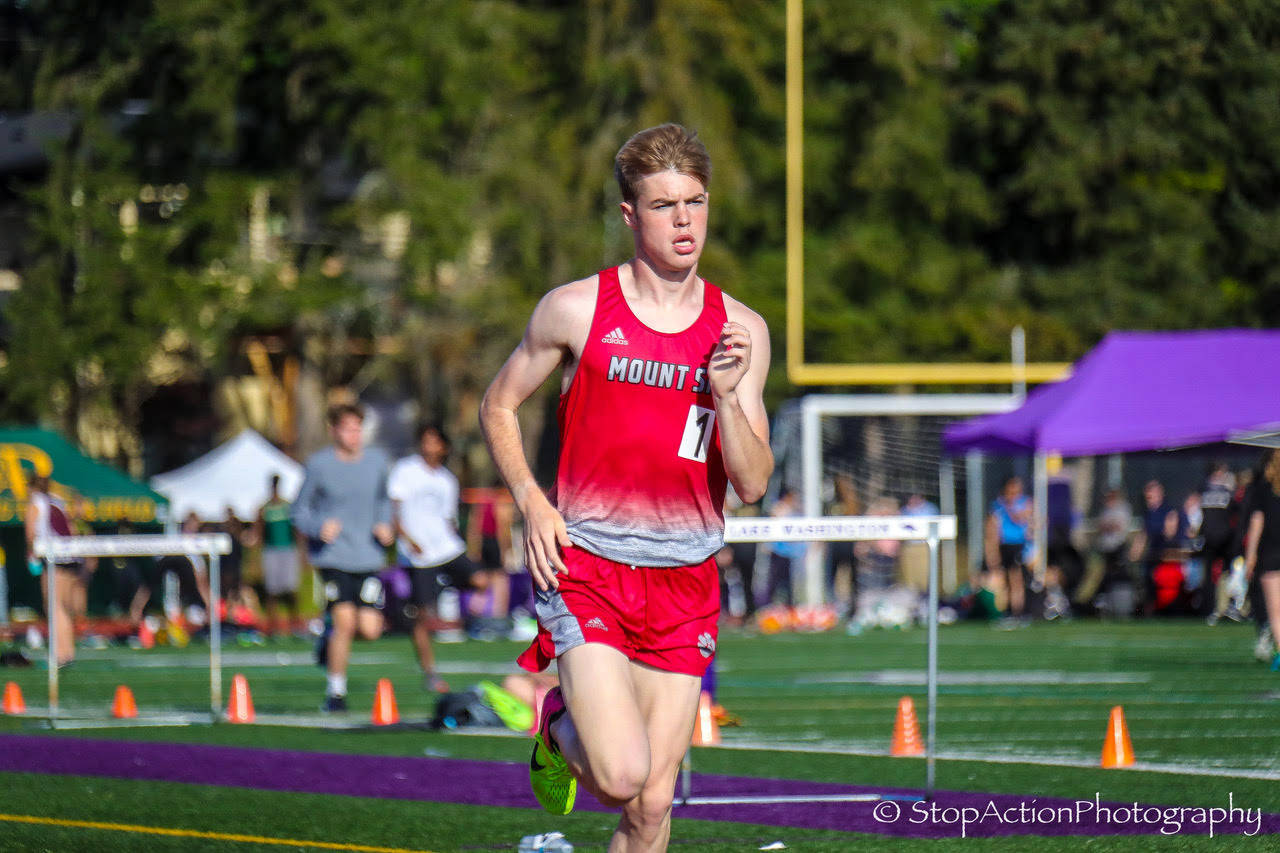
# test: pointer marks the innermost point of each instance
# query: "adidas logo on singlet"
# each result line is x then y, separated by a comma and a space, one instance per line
615, 337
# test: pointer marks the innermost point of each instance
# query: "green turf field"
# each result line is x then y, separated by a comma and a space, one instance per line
1020, 712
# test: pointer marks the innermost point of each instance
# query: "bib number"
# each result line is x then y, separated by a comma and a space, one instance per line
697, 433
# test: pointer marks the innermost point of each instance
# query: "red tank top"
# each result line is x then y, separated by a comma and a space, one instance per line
641, 479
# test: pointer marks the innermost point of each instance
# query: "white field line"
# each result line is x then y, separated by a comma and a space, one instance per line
860, 715
835, 748
305, 660
916, 678
1226, 644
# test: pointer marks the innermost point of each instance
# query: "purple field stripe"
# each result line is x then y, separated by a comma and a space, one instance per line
493, 783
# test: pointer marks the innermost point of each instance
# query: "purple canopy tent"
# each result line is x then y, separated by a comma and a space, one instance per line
1139, 391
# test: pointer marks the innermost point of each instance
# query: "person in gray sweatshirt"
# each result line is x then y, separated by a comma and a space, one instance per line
344, 512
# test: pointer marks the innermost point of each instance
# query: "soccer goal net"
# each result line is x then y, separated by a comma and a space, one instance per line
881, 454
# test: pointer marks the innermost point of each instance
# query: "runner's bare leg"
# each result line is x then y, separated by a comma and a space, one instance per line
669, 703
603, 737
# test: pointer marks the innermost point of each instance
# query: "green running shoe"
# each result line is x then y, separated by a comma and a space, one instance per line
515, 715
549, 775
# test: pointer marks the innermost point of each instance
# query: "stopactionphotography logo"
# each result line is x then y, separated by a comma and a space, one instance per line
1083, 817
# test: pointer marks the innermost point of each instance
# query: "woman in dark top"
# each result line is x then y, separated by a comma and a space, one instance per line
1262, 544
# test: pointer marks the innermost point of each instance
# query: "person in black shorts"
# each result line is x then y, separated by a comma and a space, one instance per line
424, 502
343, 510
1262, 542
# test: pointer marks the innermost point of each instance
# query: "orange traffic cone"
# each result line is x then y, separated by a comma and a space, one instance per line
1116, 749
385, 712
240, 708
906, 731
13, 703
706, 732
124, 708
146, 636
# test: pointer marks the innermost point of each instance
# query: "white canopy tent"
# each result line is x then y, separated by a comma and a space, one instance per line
235, 474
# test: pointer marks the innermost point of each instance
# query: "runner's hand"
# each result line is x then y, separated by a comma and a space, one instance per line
544, 539
329, 530
730, 359
384, 534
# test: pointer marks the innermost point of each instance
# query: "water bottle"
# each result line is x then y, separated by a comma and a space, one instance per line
551, 842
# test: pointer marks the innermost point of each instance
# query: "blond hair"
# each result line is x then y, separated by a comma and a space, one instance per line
667, 147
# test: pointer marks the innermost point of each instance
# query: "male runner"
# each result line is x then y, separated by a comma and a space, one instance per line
343, 510
660, 403
424, 504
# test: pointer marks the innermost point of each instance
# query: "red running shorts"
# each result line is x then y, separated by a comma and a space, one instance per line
662, 617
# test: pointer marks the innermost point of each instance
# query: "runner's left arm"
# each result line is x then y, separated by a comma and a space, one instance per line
739, 365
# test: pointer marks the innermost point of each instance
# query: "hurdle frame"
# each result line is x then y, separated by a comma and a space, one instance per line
212, 545
932, 530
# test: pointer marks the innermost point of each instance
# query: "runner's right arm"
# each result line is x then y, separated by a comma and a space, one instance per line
546, 345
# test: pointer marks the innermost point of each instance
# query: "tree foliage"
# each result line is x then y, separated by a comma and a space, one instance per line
422, 172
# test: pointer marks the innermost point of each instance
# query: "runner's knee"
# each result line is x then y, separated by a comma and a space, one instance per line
369, 626
652, 807
623, 780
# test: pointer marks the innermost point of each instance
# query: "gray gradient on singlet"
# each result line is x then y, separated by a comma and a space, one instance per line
634, 546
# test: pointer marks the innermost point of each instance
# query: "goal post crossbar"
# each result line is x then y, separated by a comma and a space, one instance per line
933, 530
53, 550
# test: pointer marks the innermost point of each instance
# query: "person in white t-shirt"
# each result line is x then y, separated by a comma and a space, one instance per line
424, 506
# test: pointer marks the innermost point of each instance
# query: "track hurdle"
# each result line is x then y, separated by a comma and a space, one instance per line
930, 529
52, 550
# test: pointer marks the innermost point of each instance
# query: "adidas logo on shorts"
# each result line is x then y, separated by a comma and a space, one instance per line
596, 622
615, 337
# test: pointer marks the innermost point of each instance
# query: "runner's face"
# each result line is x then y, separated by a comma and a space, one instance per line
347, 433
669, 220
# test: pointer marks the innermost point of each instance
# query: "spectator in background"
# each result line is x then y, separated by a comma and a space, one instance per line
1008, 539
1190, 540
1113, 526
281, 571
783, 556
913, 556
878, 559
842, 556
1218, 503
917, 504
1247, 481
343, 510
46, 517
1262, 543
424, 502
489, 547
1156, 536
188, 573
231, 566
81, 509
737, 564
1064, 566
